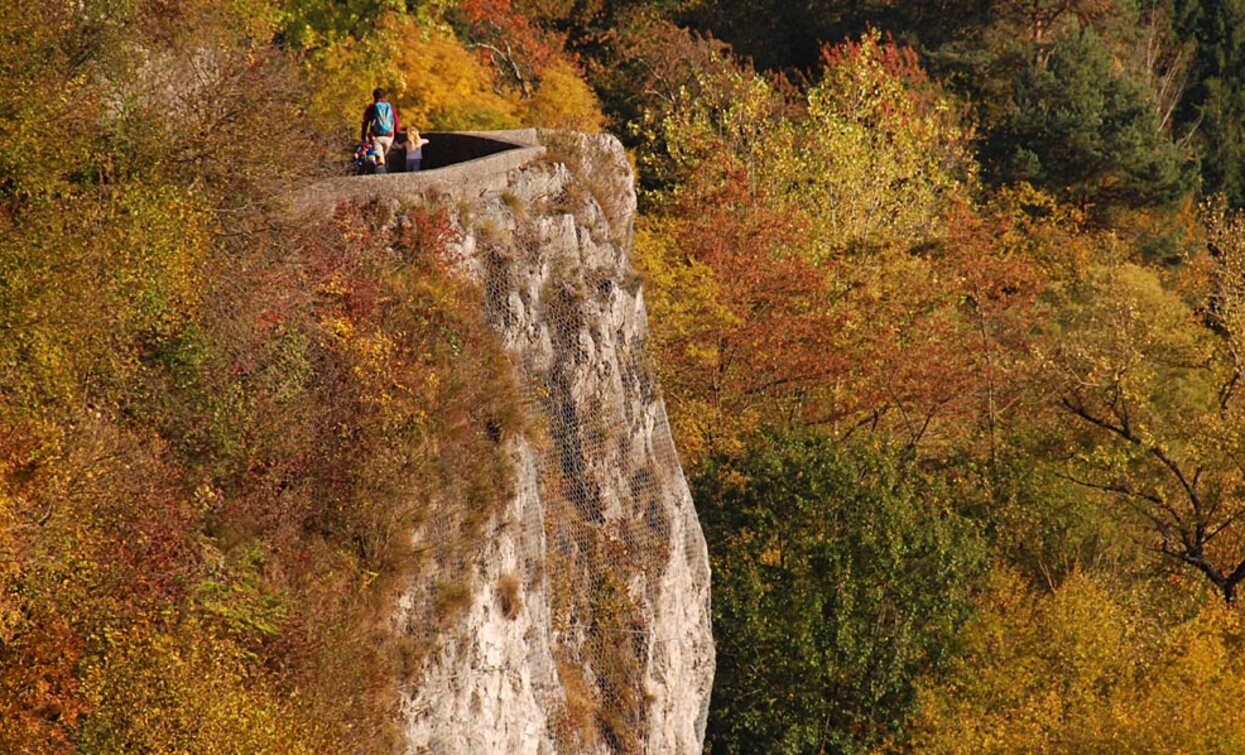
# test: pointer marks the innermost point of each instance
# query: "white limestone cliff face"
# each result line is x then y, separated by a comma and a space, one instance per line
587, 626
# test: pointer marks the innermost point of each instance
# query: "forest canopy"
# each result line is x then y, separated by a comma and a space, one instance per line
947, 300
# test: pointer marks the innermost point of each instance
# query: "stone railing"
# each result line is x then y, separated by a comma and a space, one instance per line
457, 166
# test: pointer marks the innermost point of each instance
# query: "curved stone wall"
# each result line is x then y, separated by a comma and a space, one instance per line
447, 148
459, 166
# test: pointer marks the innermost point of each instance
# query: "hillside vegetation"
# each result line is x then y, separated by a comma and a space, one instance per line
947, 300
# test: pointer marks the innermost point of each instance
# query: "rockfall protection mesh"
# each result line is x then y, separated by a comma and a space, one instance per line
562, 296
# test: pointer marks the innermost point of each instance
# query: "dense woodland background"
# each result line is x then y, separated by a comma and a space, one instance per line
947, 298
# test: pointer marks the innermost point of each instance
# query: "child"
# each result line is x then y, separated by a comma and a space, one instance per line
414, 148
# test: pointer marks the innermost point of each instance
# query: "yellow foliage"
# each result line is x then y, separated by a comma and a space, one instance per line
437, 83
183, 692
1086, 670
443, 85
876, 164
344, 74
563, 101
138, 251
683, 295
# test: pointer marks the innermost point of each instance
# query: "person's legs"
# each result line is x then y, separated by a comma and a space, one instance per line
383, 145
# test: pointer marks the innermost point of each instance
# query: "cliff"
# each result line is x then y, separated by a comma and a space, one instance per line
584, 626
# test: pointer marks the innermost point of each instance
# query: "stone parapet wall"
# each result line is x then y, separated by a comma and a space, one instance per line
463, 165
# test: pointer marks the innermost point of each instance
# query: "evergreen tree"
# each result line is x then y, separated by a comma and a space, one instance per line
1214, 102
1086, 131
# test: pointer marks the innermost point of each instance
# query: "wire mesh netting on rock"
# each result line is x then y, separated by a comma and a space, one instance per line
581, 623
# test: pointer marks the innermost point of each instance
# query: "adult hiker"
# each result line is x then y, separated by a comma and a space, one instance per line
380, 123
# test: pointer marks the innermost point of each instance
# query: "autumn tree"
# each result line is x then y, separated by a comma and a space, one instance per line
872, 155
882, 150
453, 88
865, 192
1152, 382
747, 331
643, 67
517, 49
1085, 668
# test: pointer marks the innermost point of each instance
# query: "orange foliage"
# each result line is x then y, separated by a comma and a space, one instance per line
746, 331
204, 559
39, 689
932, 345
947, 351
518, 49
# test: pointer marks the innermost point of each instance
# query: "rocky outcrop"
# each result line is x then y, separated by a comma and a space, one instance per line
586, 624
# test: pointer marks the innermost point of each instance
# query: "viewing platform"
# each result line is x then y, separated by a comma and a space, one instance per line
456, 165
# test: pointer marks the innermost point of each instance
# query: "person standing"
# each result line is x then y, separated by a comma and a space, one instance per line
414, 148
380, 123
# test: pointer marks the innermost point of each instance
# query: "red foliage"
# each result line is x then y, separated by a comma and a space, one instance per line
39, 699
930, 345
427, 235
948, 357
777, 342
897, 62
508, 40
888, 62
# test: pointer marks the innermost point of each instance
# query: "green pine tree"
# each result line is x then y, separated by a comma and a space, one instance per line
1085, 130
1214, 103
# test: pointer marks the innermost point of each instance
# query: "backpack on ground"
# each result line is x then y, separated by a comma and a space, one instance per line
367, 160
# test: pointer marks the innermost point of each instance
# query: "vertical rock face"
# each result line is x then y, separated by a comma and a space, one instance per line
586, 627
